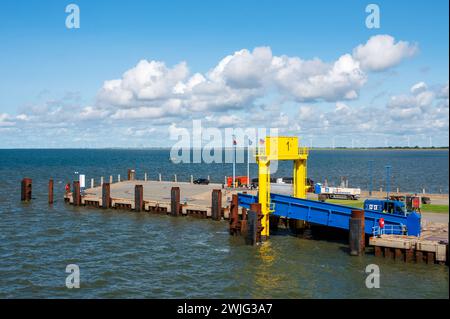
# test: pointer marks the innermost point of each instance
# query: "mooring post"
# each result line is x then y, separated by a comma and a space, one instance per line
92, 183
50, 191
106, 195
234, 214
175, 201
118, 178
26, 189
101, 180
357, 234
192, 179
253, 234
76, 195
131, 174
160, 178
145, 176
138, 198
175, 178
208, 178
216, 204
243, 229
110, 179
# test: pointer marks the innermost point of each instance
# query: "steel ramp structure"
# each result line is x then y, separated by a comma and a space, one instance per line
334, 215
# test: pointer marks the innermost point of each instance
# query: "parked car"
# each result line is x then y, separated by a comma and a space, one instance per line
201, 181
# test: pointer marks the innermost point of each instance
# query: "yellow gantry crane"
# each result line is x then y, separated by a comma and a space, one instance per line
277, 149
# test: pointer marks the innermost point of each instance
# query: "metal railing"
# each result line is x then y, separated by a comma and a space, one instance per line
389, 230
261, 150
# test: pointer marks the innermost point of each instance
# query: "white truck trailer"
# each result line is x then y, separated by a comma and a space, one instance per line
337, 192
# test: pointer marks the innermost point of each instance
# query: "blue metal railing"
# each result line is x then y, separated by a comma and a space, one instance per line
389, 230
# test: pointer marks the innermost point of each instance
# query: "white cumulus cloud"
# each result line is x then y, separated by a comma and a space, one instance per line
382, 52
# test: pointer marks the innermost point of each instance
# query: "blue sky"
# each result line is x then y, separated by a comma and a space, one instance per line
51, 74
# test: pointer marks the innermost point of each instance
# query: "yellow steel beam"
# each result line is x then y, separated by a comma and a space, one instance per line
264, 193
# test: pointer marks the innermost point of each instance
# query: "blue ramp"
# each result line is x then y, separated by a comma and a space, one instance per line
333, 215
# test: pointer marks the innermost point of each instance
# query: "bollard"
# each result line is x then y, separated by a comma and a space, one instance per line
175, 201
131, 174
234, 214
110, 179
145, 176
76, 195
160, 179
118, 178
216, 204
101, 180
106, 195
423, 190
26, 187
208, 179
175, 178
138, 198
92, 183
357, 235
398, 190
50, 191
192, 179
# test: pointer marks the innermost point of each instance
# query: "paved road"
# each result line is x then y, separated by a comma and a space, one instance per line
436, 217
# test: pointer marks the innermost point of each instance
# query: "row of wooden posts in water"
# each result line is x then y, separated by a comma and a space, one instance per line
247, 223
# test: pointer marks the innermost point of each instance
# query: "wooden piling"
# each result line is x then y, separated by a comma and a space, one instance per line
419, 257
399, 254
76, 193
254, 228
175, 201
356, 233
26, 189
388, 252
216, 204
106, 195
50, 191
378, 251
138, 198
409, 255
234, 215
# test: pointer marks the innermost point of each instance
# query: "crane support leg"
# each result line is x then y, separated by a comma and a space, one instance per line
264, 195
300, 186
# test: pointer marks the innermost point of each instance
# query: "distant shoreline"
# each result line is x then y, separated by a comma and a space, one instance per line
443, 148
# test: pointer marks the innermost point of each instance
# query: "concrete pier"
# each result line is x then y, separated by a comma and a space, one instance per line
157, 196
410, 249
